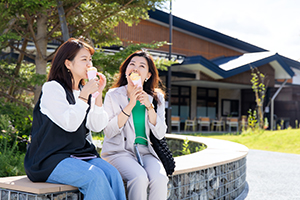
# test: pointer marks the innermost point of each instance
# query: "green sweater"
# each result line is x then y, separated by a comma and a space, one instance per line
138, 114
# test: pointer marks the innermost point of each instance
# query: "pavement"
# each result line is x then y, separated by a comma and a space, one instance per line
272, 176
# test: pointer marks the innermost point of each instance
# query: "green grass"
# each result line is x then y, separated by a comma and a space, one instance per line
285, 141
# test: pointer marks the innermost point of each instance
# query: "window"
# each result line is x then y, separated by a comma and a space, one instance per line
181, 101
207, 102
230, 108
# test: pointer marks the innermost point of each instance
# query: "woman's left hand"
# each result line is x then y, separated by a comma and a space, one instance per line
144, 99
102, 82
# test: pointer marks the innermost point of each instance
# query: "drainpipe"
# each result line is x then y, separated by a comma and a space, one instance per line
272, 103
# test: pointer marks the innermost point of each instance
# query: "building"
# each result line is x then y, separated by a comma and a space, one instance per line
214, 78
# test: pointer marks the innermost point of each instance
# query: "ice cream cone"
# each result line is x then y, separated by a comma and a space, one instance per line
136, 79
92, 73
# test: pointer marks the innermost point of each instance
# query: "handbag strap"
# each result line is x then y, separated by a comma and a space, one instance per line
154, 104
155, 109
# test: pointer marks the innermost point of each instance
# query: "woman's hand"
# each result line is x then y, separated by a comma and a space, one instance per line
144, 99
89, 88
133, 91
133, 95
102, 82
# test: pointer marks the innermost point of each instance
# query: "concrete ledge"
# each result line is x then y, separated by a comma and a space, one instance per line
218, 152
23, 184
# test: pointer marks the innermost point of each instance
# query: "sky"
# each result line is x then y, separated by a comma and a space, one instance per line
273, 25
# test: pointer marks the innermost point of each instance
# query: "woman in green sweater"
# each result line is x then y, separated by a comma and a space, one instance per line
131, 117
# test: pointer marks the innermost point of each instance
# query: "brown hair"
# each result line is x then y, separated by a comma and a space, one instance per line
153, 85
67, 51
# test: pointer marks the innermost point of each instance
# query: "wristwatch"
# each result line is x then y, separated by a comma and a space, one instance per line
150, 107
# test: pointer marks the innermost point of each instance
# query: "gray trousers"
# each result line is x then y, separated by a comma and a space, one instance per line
138, 178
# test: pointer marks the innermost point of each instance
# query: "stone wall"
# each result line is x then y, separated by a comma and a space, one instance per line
226, 181
17, 195
220, 182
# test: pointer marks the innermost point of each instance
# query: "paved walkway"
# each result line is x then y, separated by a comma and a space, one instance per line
272, 176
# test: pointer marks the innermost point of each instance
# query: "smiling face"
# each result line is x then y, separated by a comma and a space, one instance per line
79, 65
139, 65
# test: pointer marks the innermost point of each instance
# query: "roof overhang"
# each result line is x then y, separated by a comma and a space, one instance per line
211, 84
225, 67
195, 64
245, 62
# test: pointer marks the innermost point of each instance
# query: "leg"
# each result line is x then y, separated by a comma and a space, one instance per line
90, 180
113, 176
158, 179
135, 176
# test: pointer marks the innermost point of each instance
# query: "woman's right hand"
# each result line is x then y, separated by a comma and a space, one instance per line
132, 91
133, 94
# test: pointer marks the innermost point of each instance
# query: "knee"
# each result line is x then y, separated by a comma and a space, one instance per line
160, 179
95, 175
140, 180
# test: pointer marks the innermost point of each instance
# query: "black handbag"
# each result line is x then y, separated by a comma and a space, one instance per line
162, 150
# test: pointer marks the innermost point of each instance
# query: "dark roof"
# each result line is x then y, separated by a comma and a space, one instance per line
292, 63
225, 67
204, 32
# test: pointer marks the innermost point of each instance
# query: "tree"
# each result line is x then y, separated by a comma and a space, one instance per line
38, 23
110, 63
259, 88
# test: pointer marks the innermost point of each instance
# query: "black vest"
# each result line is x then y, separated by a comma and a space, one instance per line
50, 144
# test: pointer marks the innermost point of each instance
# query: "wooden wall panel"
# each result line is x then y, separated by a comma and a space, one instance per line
147, 32
245, 77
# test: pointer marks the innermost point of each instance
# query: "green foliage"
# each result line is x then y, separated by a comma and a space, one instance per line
95, 20
252, 119
185, 147
11, 159
110, 63
259, 88
16, 107
12, 7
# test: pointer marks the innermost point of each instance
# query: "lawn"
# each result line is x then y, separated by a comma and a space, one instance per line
285, 141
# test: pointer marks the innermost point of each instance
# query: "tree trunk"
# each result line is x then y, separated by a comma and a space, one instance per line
18, 66
40, 59
63, 21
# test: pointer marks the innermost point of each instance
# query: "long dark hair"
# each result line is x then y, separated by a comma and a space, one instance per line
153, 84
67, 51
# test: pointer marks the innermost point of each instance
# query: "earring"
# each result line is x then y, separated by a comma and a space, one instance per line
125, 75
146, 79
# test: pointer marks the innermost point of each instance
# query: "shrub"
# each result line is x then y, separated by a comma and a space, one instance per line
11, 160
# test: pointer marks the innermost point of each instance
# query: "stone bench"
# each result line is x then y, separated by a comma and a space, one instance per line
218, 172
20, 187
